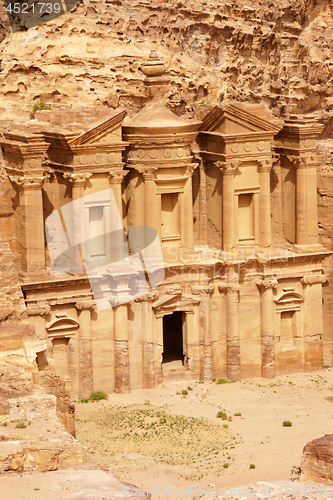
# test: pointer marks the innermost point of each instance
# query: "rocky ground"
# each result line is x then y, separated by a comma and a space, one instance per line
163, 438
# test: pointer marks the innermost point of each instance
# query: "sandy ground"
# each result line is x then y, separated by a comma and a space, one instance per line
256, 437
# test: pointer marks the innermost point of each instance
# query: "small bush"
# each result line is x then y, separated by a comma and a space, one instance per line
37, 107
230, 419
222, 414
147, 402
20, 425
214, 379
190, 388
237, 414
252, 466
326, 366
184, 392
4, 424
225, 426
225, 465
84, 400
287, 423
222, 381
98, 395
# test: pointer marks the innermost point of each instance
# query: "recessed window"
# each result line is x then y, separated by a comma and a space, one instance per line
245, 217
169, 215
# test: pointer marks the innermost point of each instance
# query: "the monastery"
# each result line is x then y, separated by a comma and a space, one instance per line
233, 200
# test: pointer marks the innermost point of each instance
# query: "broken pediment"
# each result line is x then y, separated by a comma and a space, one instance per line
287, 301
240, 118
174, 302
105, 131
62, 326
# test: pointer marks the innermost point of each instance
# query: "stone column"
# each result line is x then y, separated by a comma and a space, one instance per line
301, 202
313, 321
116, 178
233, 346
122, 371
228, 204
203, 223
187, 210
85, 348
205, 329
265, 233
150, 198
31, 225
267, 327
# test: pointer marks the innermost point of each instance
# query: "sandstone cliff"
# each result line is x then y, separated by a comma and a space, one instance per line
32, 393
277, 52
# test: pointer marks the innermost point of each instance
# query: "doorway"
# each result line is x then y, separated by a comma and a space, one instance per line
173, 339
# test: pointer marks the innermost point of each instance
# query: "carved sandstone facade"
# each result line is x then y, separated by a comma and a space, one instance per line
233, 200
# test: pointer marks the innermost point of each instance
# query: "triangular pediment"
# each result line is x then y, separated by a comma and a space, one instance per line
239, 118
105, 131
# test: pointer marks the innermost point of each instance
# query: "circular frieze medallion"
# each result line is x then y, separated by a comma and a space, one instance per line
261, 145
154, 153
180, 152
140, 153
98, 158
248, 146
235, 147
83, 159
167, 153
307, 143
112, 157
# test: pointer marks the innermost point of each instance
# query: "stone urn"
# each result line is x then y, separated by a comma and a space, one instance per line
154, 66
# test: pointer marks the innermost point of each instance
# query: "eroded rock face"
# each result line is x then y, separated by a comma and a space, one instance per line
317, 460
31, 390
276, 52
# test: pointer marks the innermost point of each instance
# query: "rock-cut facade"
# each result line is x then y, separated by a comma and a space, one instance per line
232, 201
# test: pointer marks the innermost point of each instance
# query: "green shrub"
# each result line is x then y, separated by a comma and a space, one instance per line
230, 419
222, 381
98, 395
237, 414
190, 388
20, 425
252, 466
225, 465
222, 414
84, 400
184, 392
4, 424
225, 426
41, 104
287, 423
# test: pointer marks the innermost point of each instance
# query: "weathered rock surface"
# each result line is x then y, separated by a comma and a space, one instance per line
276, 52
317, 460
31, 390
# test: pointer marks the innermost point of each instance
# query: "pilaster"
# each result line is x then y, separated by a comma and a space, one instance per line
232, 290
266, 287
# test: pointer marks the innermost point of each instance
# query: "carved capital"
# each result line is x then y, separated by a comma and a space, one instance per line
265, 165
85, 304
202, 290
38, 310
313, 280
231, 287
116, 176
147, 172
227, 167
190, 169
28, 182
266, 284
77, 179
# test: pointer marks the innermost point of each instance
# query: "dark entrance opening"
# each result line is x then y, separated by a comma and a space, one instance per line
173, 337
